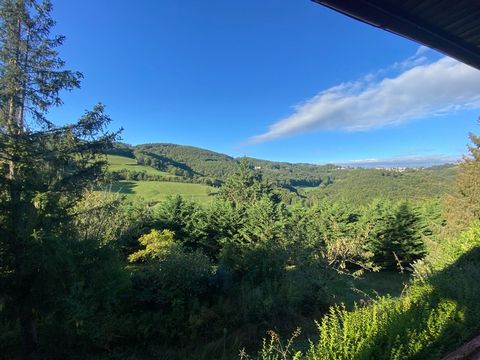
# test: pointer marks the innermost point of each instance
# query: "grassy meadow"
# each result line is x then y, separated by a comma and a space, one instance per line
155, 191
118, 163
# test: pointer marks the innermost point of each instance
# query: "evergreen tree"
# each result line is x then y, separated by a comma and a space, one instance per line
245, 185
45, 168
468, 180
396, 237
464, 206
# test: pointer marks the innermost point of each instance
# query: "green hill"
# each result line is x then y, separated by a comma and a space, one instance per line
362, 185
119, 163
189, 160
188, 164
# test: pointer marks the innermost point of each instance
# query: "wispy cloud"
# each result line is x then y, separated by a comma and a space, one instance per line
403, 161
418, 90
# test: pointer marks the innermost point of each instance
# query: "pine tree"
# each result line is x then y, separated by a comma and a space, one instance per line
45, 168
464, 207
396, 234
468, 181
245, 186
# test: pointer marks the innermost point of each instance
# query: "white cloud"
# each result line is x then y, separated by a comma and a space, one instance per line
404, 161
420, 90
422, 49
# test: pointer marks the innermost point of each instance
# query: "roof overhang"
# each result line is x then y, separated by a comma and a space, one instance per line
449, 26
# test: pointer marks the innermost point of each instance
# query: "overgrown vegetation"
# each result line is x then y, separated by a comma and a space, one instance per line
438, 312
86, 273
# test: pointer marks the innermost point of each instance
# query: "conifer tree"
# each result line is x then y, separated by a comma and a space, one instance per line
396, 234
45, 168
245, 186
468, 181
464, 206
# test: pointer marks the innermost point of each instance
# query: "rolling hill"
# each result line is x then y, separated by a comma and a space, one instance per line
178, 168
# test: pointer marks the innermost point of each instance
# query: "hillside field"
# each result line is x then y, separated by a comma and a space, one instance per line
155, 191
118, 163
197, 167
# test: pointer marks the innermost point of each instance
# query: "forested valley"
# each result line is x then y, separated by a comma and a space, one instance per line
162, 251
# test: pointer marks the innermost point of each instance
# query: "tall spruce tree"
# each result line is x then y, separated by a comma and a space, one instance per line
45, 168
395, 234
246, 185
463, 207
468, 181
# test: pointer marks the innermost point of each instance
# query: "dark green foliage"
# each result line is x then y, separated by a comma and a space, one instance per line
435, 315
258, 251
361, 186
395, 234
122, 149
125, 174
245, 260
245, 186
463, 206
169, 285
45, 168
79, 296
240, 261
185, 218
297, 175
91, 273
468, 181
438, 312
188, 160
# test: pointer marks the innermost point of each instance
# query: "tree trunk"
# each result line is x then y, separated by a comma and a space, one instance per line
27, 325
20, 233
23, 276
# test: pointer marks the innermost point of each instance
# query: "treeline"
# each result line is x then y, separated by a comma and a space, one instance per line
141, 175
301, 182
191, 160
288, 174
361, 186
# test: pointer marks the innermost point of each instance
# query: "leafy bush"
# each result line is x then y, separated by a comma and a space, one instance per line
169, 286
78, 305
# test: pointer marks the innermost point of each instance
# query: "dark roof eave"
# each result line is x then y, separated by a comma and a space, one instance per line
401, 24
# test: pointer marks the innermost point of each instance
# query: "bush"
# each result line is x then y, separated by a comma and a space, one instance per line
168, 288
433, 317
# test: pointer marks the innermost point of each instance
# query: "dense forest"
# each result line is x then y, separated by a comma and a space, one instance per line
285, 261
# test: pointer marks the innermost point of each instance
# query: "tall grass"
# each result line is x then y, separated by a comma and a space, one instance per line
438, 312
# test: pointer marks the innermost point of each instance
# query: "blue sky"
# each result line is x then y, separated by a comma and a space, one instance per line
281, 80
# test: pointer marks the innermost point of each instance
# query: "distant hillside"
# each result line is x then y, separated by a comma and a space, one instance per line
193, 162
362, 185
178, 163
188, 160
299, 174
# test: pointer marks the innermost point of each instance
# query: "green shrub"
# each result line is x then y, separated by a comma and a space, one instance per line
432, 318
168, 287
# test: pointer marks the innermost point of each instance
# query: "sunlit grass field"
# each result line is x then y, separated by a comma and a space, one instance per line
117, 163
156, 191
